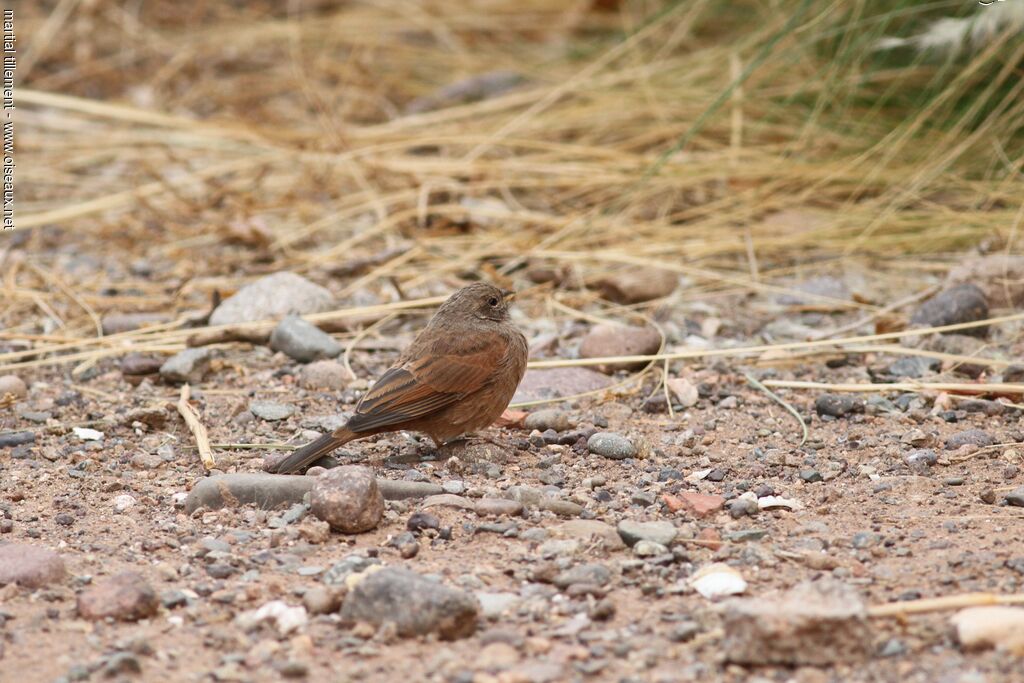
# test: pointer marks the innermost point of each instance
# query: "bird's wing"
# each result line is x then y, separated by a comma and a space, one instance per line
434, 379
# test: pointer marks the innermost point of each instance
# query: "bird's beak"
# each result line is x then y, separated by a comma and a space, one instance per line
508, 295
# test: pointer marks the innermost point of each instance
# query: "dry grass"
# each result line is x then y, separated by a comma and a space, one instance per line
738, 144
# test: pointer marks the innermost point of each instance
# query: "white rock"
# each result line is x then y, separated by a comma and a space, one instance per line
124, 502
773, 502
286, 619
684, 391
87, 434
718, 580
996, 626
698, 475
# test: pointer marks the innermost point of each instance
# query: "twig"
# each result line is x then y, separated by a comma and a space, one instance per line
195, 426
775, 397
962, 387
894, 306
946, 602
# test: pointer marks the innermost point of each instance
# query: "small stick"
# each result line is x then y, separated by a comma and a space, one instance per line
775, 397
195, 426
946, 602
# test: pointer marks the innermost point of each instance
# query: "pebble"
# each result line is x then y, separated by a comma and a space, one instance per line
970, 437
991, 627
611, 445
273, 296
698, 504
271, 411
562, 508
13, 385
539, 385
493, 605
403, 489
455, 487
126, 597
303, 341
12, 439
1016, 497
190, 366
348, 499
620, 340
838, 405
636, 285
324, 374
124, 502
718, 580
140, 364
497, 507
349, 567
550, 418
961, 303
632, 532
814, 624
286, 619
414, 604
322, 600
29, 566
587, 530
449, 500
649, 549
811, 476
594, 574
921, 458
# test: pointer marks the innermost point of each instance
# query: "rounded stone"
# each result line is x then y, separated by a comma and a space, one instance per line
348, 499
29, 565
611, 445
13, 385
324, 374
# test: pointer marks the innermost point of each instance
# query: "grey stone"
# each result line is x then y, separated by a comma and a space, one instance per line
302, 340
272, 297
970, 437
961, 303
29, 565
659, 532
402, 489
270, 410
814, 624
498, 507
594, 574
11, 439
351, 564
189, 366
562, 508
550, 418
921, 458
1016, 497
348, 499
838, 405
611, 445
414, 604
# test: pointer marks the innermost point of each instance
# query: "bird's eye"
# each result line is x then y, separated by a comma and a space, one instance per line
493, 301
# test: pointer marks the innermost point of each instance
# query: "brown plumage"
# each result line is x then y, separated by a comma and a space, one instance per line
456, 377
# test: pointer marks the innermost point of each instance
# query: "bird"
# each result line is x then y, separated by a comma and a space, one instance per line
456, 377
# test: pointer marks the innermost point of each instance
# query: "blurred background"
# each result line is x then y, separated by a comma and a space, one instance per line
171, 153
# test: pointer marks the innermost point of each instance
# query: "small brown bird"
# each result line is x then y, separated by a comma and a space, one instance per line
456, 377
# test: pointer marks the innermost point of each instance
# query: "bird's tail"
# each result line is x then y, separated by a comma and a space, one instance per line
313, 451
